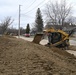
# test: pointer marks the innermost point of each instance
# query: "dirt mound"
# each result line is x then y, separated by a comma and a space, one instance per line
19, 57
61, 52
72, 48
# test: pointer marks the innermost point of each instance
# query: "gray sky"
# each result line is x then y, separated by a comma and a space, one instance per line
28, 10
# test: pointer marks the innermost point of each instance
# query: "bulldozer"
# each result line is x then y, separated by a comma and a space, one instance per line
56, 38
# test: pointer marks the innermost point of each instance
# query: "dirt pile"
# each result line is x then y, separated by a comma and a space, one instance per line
19, 57
72, 47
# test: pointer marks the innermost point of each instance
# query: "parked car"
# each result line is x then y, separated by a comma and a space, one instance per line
27, 35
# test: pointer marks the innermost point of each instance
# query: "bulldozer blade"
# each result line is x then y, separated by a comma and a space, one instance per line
37, 38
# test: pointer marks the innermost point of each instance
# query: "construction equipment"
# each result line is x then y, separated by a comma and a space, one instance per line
56, 38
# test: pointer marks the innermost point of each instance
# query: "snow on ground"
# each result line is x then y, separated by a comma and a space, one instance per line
72, 52
72, 42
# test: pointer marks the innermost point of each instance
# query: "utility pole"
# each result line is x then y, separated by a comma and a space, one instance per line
19, 20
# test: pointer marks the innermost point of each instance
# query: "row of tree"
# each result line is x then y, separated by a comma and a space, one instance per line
56, 14
5, 29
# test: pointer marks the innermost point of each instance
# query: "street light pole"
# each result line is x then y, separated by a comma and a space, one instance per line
19, 20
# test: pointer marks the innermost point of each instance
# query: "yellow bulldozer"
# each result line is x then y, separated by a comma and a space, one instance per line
56, 38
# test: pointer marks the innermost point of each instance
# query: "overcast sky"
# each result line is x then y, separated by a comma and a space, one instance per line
28, 10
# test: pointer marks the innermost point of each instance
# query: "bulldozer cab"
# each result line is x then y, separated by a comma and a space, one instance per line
59, 40
55, 37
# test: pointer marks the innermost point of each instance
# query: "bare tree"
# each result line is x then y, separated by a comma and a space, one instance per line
58, 12
5, 24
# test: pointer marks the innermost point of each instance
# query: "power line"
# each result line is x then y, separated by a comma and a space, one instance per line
31, 4
35, 7
27, 16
